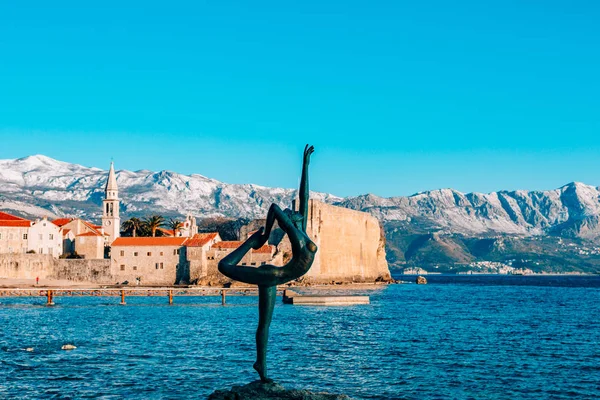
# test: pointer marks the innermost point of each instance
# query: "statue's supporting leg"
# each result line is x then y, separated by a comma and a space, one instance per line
266, 302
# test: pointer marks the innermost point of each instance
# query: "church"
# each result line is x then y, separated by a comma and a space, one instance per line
84, 239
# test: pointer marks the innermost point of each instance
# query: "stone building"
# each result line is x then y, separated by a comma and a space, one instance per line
19, 235
90, 245
82, 237
154, 260
197, 249
13, 234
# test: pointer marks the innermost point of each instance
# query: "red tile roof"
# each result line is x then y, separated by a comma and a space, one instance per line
23, 223
149, 241
234, 244
200, 239
227, 244
62, 221
89, 234
166, 231
267, 249
91, 226
66, 232
13, 221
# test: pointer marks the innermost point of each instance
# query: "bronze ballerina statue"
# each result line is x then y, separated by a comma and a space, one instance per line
267, 277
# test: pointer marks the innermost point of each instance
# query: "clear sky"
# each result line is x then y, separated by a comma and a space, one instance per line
397, 96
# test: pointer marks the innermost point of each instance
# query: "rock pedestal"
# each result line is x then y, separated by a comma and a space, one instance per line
258, 390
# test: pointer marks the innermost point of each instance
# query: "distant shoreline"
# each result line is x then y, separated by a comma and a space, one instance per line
496, 274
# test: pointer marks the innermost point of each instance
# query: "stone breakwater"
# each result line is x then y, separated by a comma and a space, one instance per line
258, 390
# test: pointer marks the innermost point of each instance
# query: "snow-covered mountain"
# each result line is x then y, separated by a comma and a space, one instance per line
39, 185
572, 210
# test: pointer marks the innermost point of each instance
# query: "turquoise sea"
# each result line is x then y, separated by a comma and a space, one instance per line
458, 337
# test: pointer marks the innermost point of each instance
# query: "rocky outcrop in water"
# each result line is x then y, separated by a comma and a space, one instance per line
258, 390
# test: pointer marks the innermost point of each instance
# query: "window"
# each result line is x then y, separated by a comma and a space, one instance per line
135, 267
135, 253
51, 236
122, 267
122, 253
263, 263
41, 251
149, 253
24, 236
253, 263
161, 253
161, 265
156, 265
243, 263
41, 237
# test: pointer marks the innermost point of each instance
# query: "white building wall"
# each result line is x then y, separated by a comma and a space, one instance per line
45, 238
13, 239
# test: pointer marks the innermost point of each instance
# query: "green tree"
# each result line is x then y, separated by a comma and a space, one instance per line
153, 223
175, 225
132, 225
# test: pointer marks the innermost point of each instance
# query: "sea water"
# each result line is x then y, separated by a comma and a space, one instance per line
458, 337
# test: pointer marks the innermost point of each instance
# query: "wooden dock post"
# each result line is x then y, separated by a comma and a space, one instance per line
170, 296
122, 298
222, 297
50, 296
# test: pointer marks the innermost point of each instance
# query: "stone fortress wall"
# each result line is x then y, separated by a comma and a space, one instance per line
44, 266
351, 245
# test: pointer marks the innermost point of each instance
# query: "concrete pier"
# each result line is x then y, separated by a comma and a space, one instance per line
291, 297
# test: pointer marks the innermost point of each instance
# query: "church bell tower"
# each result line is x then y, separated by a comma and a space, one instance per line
110, 207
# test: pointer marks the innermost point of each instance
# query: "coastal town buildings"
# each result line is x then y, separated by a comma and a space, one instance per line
151, 260
45, 238
82, 238
13, 233
19, 235
351, 248
197, 254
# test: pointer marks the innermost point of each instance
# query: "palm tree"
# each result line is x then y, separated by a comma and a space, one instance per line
175, 225
154, 222
132, 225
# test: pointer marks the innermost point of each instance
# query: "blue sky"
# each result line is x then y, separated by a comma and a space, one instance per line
397, 97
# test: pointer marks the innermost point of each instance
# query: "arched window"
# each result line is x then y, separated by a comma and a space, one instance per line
106, 208
111, 209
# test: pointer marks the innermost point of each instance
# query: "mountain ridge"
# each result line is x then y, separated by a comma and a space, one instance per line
38, 184
435, 229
